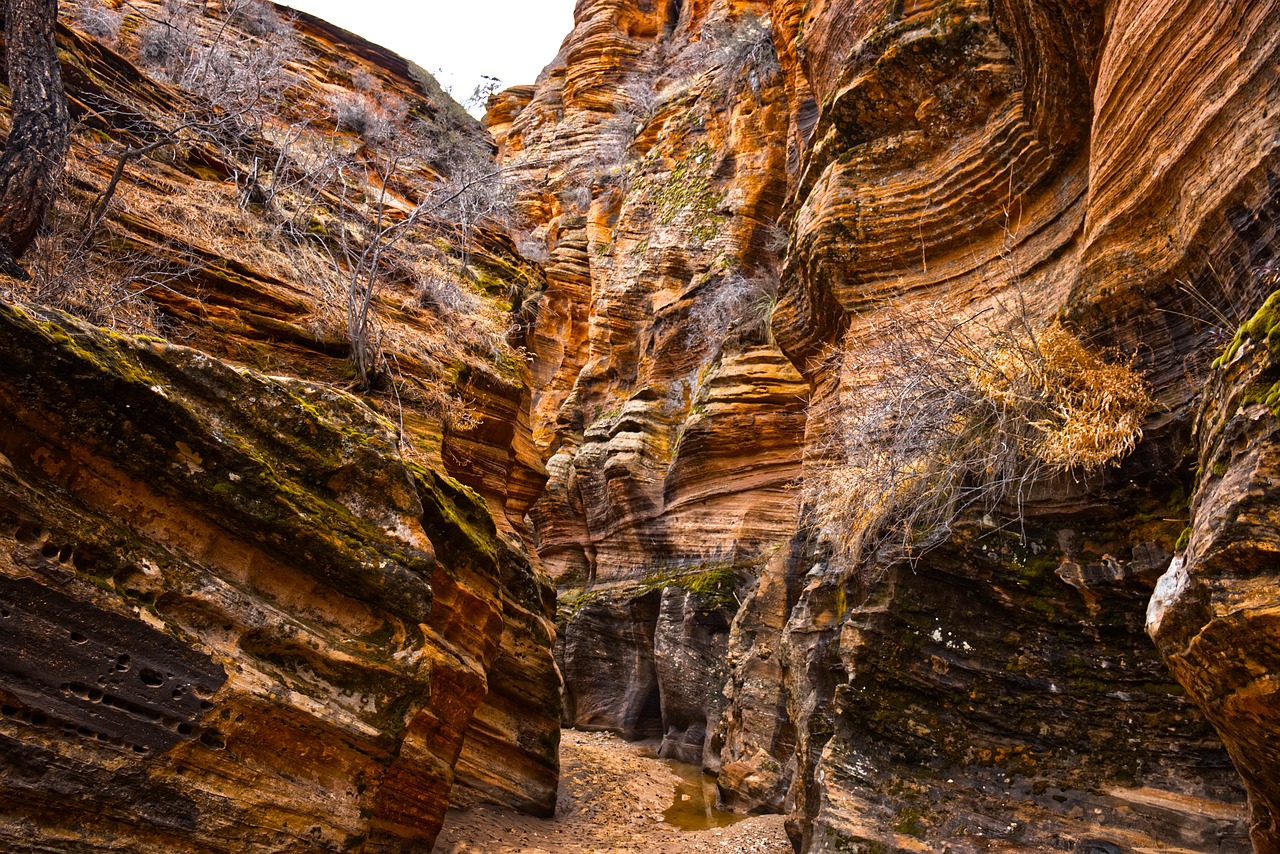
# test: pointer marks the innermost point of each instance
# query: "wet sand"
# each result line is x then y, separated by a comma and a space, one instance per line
612, 800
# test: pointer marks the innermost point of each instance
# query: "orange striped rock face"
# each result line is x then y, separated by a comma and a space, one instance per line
235, 610
242, 606
1107, 165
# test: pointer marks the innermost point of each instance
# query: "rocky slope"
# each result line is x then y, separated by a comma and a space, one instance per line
244, 607
1104, 164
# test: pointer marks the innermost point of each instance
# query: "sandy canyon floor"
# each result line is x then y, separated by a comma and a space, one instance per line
613, 796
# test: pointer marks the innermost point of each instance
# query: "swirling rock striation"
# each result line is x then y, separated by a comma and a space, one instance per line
654, 156
1109, 165
970, 158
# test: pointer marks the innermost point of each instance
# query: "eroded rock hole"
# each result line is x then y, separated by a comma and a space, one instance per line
150, 678
185, 728
140, 712
146, 597
28, 533
122, 663
213, 739
78, 638
84, 692
673, 16
49, 550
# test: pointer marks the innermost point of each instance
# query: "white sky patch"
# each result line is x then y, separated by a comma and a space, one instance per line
458, 41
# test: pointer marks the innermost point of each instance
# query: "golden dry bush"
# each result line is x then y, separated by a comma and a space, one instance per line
935, 417
1086, 412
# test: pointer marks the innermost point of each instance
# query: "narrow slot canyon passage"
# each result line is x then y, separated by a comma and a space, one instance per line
875, 404
616, 797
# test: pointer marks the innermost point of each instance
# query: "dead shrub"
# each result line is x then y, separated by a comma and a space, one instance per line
166, 45
106, 289
744, 51
534, 248
256, 17
237, 80
364, 81
474, 324
936, 418
639, 99
738, 307
236, 75
361, 114
603, 163
97, 20
449, 298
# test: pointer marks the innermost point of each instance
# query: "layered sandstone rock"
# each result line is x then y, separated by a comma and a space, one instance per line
1032, 159
1213, 613
248, 274
654, 153
1105, 163
963, 162
243, 609
233, 613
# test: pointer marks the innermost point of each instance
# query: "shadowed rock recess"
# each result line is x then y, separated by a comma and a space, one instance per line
245, 606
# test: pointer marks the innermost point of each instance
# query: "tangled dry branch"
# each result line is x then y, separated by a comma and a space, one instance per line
937, 417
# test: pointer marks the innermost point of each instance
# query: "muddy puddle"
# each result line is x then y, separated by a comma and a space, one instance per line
693, 804
617, 798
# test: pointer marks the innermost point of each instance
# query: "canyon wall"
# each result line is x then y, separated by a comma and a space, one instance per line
654, 152
236, 619
245, 606
1104, 165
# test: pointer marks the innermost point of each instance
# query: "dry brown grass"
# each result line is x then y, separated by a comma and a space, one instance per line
110, 291
418, 341
936, 417
1085, 413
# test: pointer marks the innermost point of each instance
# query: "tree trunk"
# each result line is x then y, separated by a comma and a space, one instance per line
37, 144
